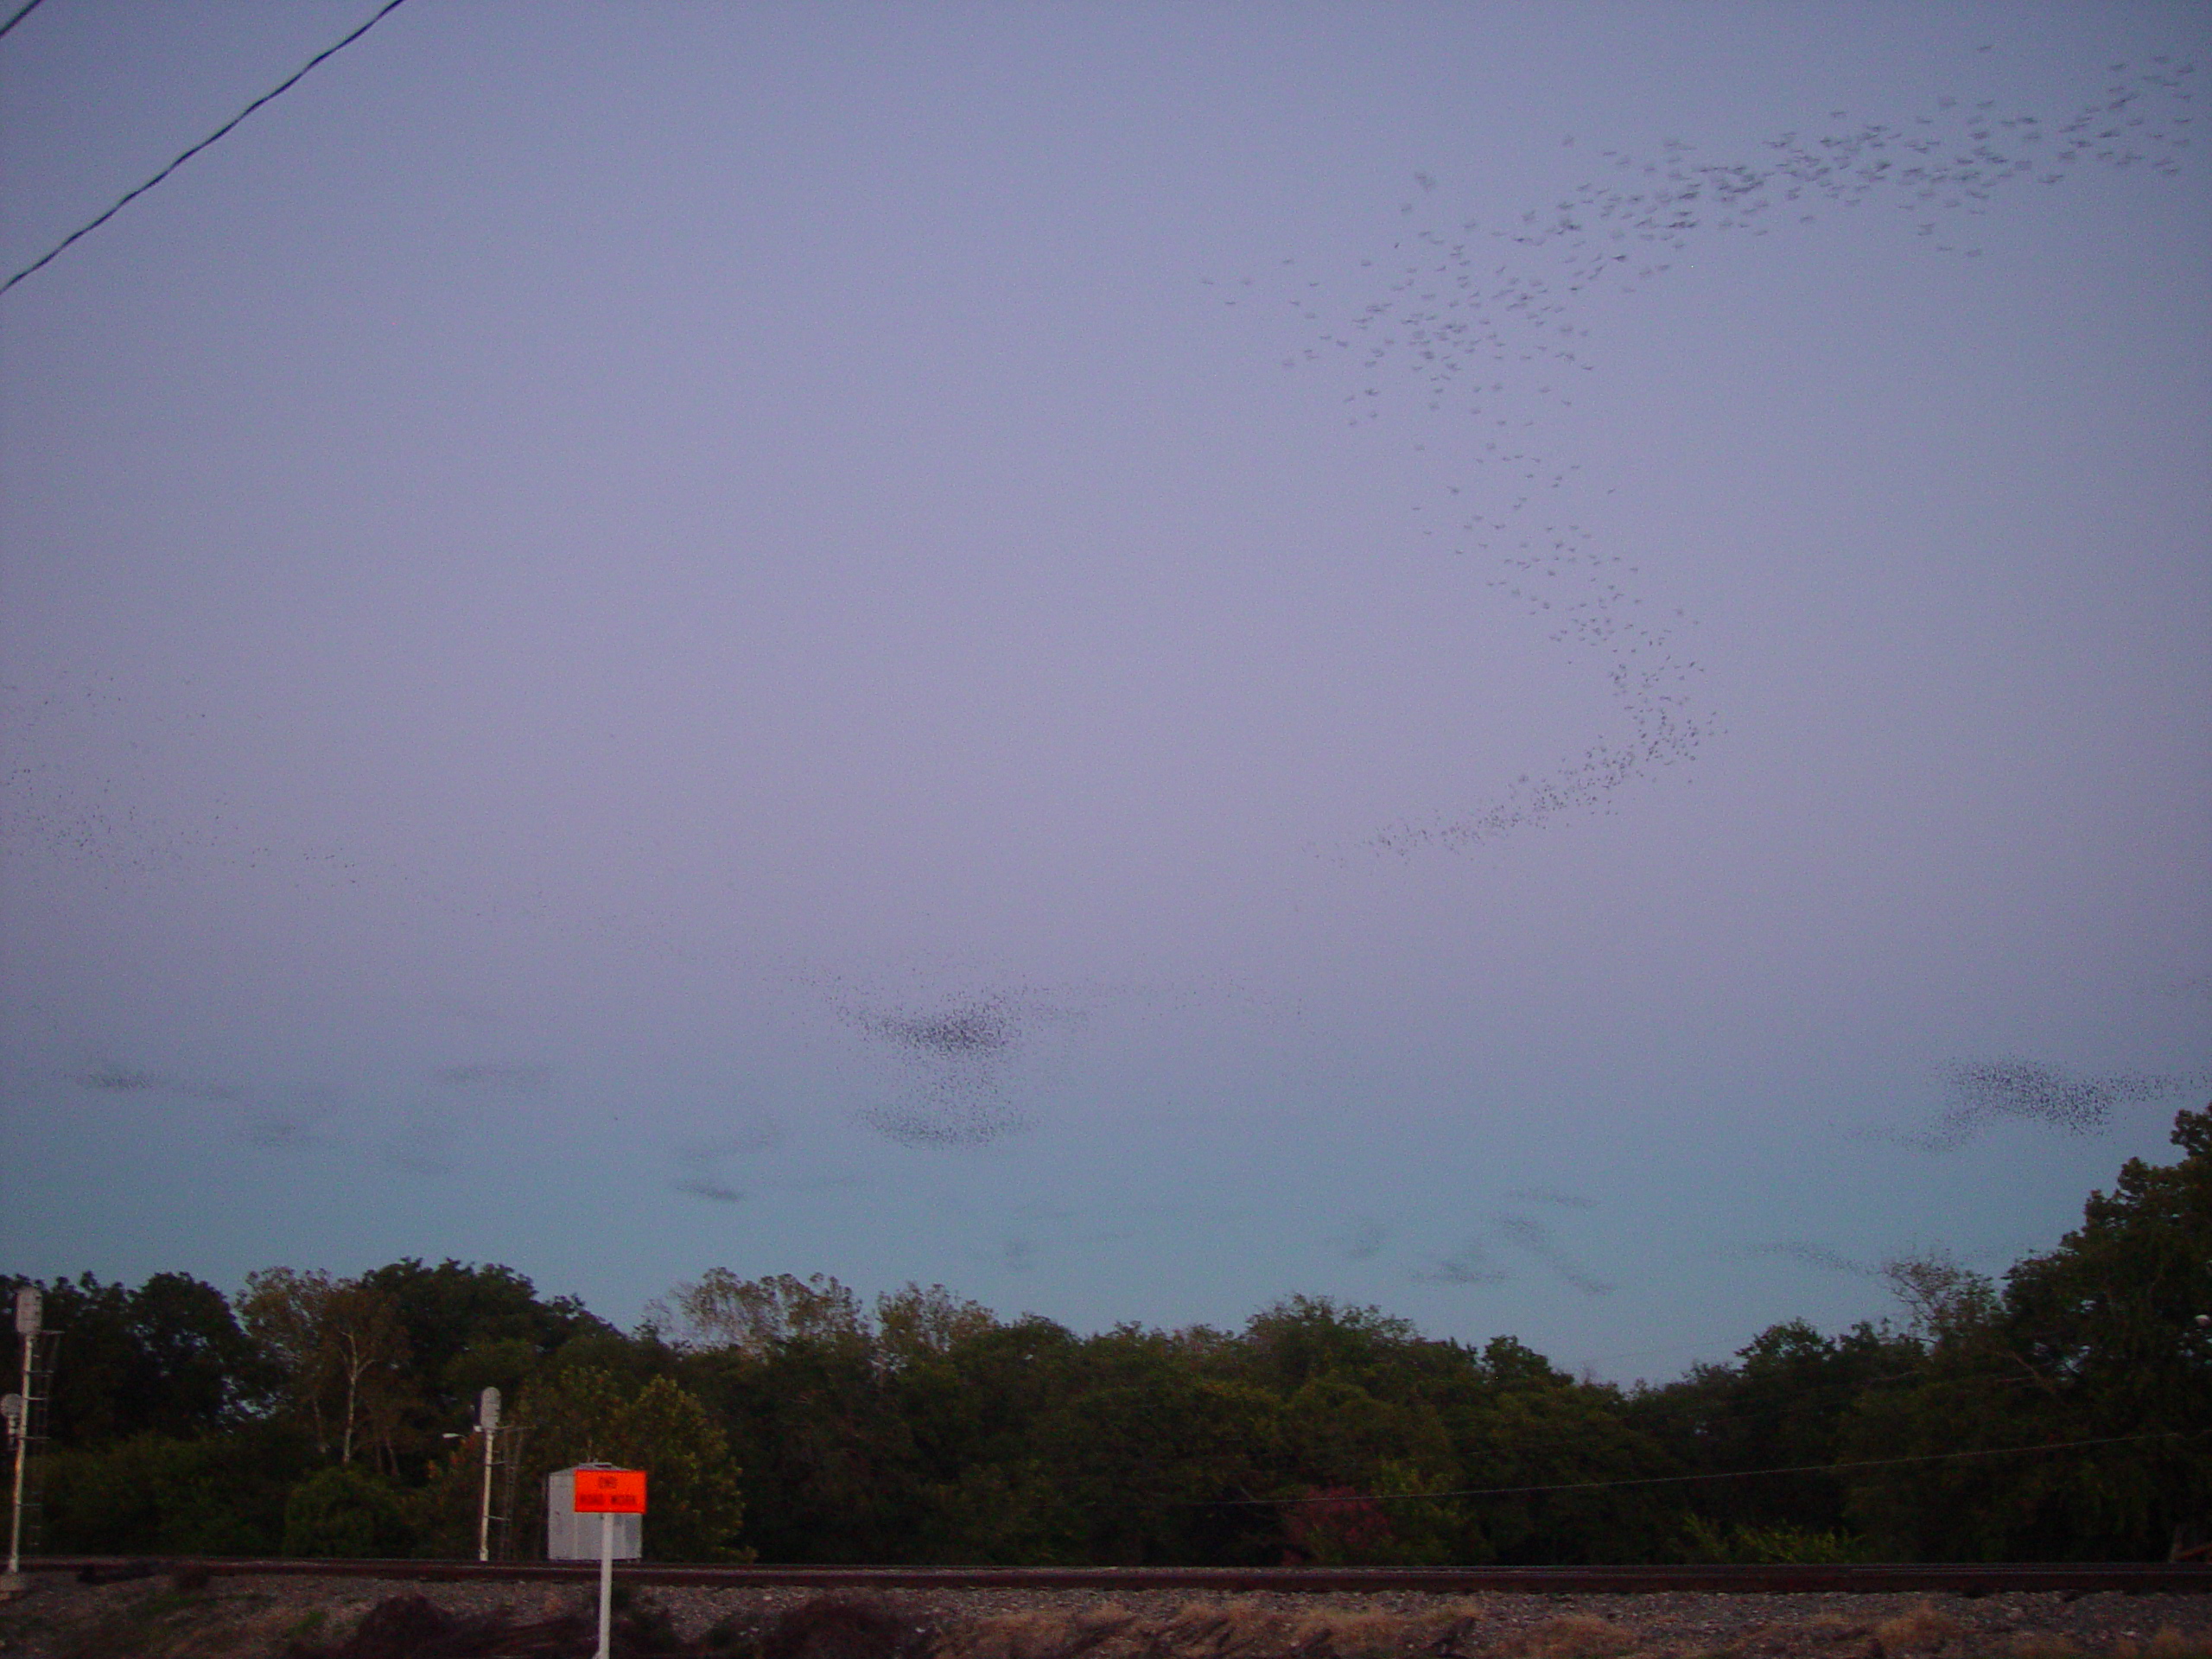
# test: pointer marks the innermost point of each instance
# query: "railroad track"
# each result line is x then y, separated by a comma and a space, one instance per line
2066, 1578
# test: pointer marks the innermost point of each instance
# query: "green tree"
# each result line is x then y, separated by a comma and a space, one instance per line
794, 1369
1336, 1434
340, 1349
1156, 1466
917, 1326
2111, 1315
2095, 1341
469, 1325
167, 1359
1525, 1424
1289, 1343
970, 1404
722, 1312
586, 1415
1782, 1404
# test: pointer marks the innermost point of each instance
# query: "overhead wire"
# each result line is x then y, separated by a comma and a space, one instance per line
1763, 1412
25, 10
278, 90
1726, 1474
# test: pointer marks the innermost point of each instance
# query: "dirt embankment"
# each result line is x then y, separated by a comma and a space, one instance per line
190, 1617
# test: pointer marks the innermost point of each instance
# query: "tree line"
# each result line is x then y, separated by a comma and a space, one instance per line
2061, 1412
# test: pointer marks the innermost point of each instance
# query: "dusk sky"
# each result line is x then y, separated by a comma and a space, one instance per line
1546, 665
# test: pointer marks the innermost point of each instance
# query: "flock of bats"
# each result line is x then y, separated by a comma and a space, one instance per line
1484, 325
1481, 326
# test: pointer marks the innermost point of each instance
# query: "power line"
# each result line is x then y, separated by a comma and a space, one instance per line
290, 81
1730, 1474
29, 6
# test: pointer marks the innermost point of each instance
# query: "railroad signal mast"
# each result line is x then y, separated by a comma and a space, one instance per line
26, 1417
506, 1475
11, 1408
488, 1419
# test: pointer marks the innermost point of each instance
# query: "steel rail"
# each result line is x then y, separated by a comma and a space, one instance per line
1967, 1578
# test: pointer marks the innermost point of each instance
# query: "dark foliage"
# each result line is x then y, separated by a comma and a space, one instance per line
347, 1513
469, 1326
1783, 1404
2095, 1341
167, 1359
222, 1494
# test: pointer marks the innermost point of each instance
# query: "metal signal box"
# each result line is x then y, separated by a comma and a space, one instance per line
573, 1537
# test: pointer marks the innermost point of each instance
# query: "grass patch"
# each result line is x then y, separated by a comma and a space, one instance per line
1924, 1626
1577, 1635
306, 1625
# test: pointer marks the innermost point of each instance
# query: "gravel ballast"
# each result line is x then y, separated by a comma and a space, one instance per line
250, 1615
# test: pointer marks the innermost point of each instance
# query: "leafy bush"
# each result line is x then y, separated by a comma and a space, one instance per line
1776, 1545
344, 1512
220, 1495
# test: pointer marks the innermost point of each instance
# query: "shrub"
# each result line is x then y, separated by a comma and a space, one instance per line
346, 1512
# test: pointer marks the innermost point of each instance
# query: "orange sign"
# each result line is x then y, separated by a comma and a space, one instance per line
610, 1491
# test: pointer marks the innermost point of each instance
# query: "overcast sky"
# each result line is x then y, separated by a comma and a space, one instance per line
1550, 665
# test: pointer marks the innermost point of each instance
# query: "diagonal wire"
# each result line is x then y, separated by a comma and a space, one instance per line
290, 81
1726, 1474
29, 6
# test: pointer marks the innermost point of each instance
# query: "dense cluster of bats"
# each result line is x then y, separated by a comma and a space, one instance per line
1483, 324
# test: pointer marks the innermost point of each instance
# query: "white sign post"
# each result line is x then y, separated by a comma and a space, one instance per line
608, 1492
605, 1583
